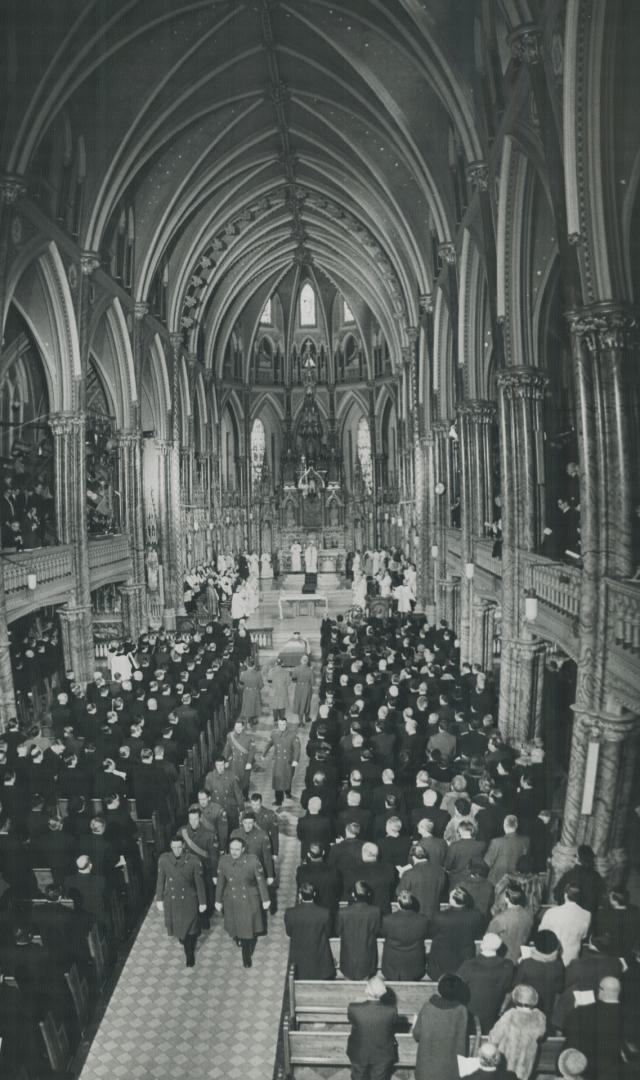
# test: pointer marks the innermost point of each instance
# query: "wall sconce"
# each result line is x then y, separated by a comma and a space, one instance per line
393, 521
469, 569
195, 526
439, 488
530, 605
32, 581
434, 551
400, 522
453, 434
386, 516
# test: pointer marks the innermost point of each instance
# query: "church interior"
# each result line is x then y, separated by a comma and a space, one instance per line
316, 316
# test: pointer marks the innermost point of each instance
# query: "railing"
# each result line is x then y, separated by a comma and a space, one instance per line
46, 564
623, 606
454, 543
483, 558
108, 549
262, 636
553, 583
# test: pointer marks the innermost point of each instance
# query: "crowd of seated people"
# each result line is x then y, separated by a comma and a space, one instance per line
71, 807
431, 828
27, 507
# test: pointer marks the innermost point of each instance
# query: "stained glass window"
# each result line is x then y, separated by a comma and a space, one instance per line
364, 452
266, 317
307, 306
258, 443
347, 314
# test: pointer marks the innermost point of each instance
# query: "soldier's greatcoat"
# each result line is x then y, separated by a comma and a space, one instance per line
181, 888
251, 682
240, 751
286, 751
242, 889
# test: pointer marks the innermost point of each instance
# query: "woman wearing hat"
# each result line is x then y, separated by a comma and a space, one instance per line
242, 894
441, 1030
519, 1030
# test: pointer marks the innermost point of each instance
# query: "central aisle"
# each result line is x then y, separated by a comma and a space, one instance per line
217, 1020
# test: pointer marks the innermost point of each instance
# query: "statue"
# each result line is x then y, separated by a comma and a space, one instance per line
266, 569
152, 569
311, 558
296, 557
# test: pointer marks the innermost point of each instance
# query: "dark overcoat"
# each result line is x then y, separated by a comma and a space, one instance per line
181, 888
242, 889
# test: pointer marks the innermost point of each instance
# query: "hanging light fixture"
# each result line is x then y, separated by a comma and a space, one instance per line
530, 605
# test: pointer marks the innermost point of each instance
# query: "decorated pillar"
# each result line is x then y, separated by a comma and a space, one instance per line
603, 757
174, 573
483, 620
521, 396
68, 430
475, 419
132, 510
442, 495
604, 741
7, 689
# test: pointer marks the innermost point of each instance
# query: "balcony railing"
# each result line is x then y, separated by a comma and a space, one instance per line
553, 583
484, 560
109, 559
454, 543
46, 564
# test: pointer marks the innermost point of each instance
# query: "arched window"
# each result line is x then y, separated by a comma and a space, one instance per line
347, 314
307, 306
267, 317
258, 443
364, 452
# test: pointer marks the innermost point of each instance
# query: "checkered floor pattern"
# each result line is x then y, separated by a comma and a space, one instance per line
217, 1020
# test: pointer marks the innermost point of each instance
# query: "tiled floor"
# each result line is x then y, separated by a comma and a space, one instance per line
217, 1020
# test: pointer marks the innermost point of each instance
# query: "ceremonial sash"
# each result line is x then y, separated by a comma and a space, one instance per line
238, 745
192, 844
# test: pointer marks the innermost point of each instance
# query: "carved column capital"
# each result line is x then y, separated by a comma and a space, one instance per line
447, 253
176, 340
412, 334
425, 300
602, 726
12, 188
605, 327
63, 423
89, 261
140, 310
478, 175
478, 411
129, 438
526, 44
441, 428
523, 382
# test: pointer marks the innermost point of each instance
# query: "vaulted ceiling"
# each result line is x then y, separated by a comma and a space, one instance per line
254, 135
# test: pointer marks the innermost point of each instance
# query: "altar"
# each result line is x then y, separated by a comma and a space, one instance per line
302, 604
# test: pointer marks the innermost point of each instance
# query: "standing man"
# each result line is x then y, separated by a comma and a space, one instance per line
242, 895
280, 682
296, 557
239, 753
286, 748
309, 925
372, 1048
181, 895
203, 843
256, 843
224, 789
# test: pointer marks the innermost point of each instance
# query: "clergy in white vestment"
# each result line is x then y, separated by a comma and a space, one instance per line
266, 569
311, 559
296, 557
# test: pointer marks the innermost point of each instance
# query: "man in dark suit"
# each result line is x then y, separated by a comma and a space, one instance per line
309, 925
324, 878
372, 1048
404, 932
314, 828
378, 875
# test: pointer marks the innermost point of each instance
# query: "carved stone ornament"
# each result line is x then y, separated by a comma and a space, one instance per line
606, 727
16, 231
478, 411
523, 382
447, 253
526, 44
478, 175
72, 275
425, 301
141, 310
605, 328
63, 423
12, 188
89, 261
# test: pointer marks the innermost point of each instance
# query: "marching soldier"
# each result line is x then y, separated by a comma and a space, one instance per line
203, 843
269, 822
256, 843
286, 749
224, 789
214, 818
181, 895
239, 753
241, 893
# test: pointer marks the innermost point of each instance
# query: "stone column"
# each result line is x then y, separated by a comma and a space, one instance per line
521, 395
604, 740
68, 430
174, 573
603, 755
476, 496
132, 510
430, 539
7, 689
133, 610
449, 595
482, 632
441, 503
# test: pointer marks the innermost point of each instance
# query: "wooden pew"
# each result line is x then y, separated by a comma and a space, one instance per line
56, 1043
317, 1002
335, 948
79, 991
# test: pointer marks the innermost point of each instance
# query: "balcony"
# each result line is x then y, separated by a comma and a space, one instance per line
109, 559
52, 569
488, 571
623, 652
454, 549
557, 588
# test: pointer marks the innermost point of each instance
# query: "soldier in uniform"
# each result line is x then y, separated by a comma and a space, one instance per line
286, 749
181, 895
280, 683
214, 818
224, 789
256, 843
269, 822
239, 753
251, 681
203, 843
242, 895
